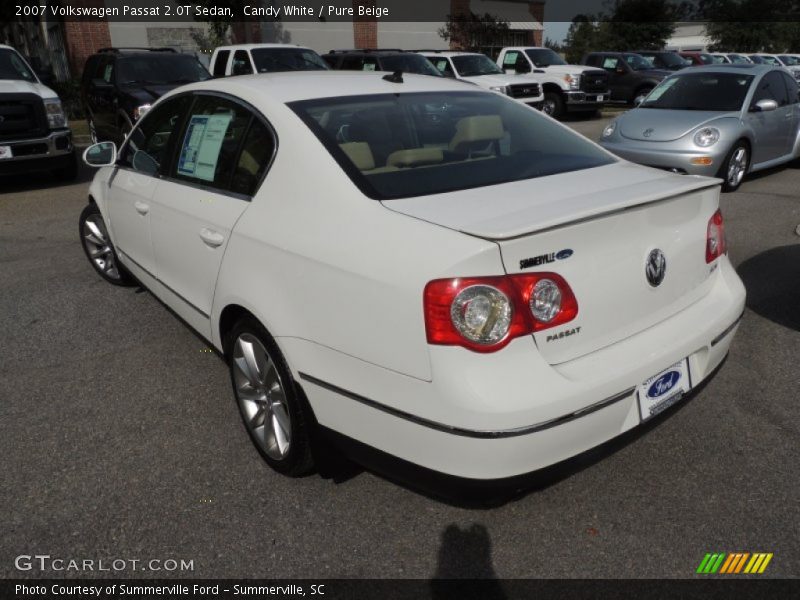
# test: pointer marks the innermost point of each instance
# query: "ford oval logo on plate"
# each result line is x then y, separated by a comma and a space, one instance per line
664, 384
564, 254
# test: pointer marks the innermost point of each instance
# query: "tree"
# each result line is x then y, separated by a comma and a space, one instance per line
470, 31
638, 24
581, 38
740, 25
553, 45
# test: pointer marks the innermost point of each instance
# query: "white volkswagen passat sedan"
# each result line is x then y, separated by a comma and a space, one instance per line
435, 271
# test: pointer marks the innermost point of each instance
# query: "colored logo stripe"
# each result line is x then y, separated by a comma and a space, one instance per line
734, 562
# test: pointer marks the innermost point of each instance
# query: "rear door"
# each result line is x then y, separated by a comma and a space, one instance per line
222, 154
772, 128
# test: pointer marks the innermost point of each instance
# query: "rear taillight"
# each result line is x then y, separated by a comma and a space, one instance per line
485, 313
716, 245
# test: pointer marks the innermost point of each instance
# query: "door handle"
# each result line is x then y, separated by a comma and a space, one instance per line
141, 207
211, 237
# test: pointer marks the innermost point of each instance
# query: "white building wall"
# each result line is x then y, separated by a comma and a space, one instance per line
411, 36
320, 36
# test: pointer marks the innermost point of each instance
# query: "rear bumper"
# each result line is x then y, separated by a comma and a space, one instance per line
677, 160
38, 154
496, 416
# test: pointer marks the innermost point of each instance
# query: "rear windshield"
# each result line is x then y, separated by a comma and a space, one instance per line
273, 60
700, 91
160, 68
403, 145
13, 67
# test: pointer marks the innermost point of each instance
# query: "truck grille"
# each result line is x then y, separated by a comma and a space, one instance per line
525, 90
594, 81
21, 116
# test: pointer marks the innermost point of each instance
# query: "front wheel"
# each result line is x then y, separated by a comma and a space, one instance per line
735, 167
553, 105
270, 406
98, 247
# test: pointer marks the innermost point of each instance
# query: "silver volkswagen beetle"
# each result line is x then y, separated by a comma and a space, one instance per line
719, 120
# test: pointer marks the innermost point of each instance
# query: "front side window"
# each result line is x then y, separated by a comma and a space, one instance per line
442, 65
791, 88
150, 144
209, 146
636, 62
13, 67
472, 65
241, 63
771, 87
610, 63
415, 144
160, 68
700, 91
274, 60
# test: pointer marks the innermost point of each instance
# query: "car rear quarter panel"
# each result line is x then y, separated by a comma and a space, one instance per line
315, 260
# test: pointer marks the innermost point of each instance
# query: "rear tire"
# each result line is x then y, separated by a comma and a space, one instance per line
735, 167
553, 105
277, 420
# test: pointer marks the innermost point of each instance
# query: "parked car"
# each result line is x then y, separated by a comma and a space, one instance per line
567, 88
120, 84
663, 59
480, 70
787, 62
431, 269
34, 133
723, 120
698, 58
738, 59
720, 59
245, 59
380, 60
630, 76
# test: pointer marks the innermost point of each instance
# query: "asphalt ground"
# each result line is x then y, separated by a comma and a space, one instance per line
120, 438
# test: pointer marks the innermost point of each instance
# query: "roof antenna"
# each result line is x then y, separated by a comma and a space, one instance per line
396, 77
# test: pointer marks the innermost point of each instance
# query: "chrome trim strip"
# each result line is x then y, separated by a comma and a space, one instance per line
728, 329
472, 433
189, 304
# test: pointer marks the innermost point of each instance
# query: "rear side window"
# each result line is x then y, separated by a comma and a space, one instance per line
792, 88
208, 151
771, 87
415, 144
221, 63
254, 159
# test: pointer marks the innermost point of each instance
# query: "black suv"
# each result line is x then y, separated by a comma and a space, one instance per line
664, 59
631, 77
380, 60
120, 84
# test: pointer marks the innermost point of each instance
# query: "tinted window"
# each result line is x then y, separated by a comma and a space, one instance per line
331, 60
257, 151
544, 57
414, 144
271, 60
792, 88
510, 59
241, 63
442, 65
593, 60
475, 64
700, 91
209, 146
352, 63
221, 63
89, 68
409, 63
636, 62
13, 67
610, 63
160, 67
149, 145
771, 87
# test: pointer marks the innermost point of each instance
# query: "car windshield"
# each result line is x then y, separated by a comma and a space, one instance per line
415, 144
273, 60
475, 64
637, 63
771, 60
409, 63
544, 57
738, 59
789, 60
718, 59
13, 67
700, 91
160, 68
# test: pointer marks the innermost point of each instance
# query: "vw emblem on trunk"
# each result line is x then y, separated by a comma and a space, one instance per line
648, 132
655, 268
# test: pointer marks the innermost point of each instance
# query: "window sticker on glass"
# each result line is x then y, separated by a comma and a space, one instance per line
369, 66
661, 89
201, 146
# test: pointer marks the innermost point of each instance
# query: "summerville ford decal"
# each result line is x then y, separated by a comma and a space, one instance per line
544, 259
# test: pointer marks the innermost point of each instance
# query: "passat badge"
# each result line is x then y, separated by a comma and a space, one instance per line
655, 268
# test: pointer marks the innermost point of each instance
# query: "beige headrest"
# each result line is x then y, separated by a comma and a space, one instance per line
483, 128
360, 154
415, 157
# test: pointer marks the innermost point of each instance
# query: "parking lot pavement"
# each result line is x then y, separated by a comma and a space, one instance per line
121, 439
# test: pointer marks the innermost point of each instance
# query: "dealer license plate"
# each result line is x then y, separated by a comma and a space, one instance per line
5, 152
663, 390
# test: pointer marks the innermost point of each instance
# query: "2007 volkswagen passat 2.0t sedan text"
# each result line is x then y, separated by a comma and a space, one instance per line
432, 270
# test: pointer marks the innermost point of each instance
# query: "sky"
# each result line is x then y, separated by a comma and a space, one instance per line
555, 30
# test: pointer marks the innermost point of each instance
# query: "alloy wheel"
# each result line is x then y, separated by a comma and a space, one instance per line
548, 107
261, 396
737, 166
98, 246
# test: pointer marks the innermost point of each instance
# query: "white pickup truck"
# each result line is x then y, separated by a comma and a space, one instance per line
245, 59
566, 87
34, 135
480, 70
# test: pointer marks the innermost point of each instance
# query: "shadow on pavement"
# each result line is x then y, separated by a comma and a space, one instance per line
772, 279
466, 554
41, 180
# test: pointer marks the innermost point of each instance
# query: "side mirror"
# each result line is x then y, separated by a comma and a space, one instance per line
638, 100
765, 106
523, 67
144, 163
102, 154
